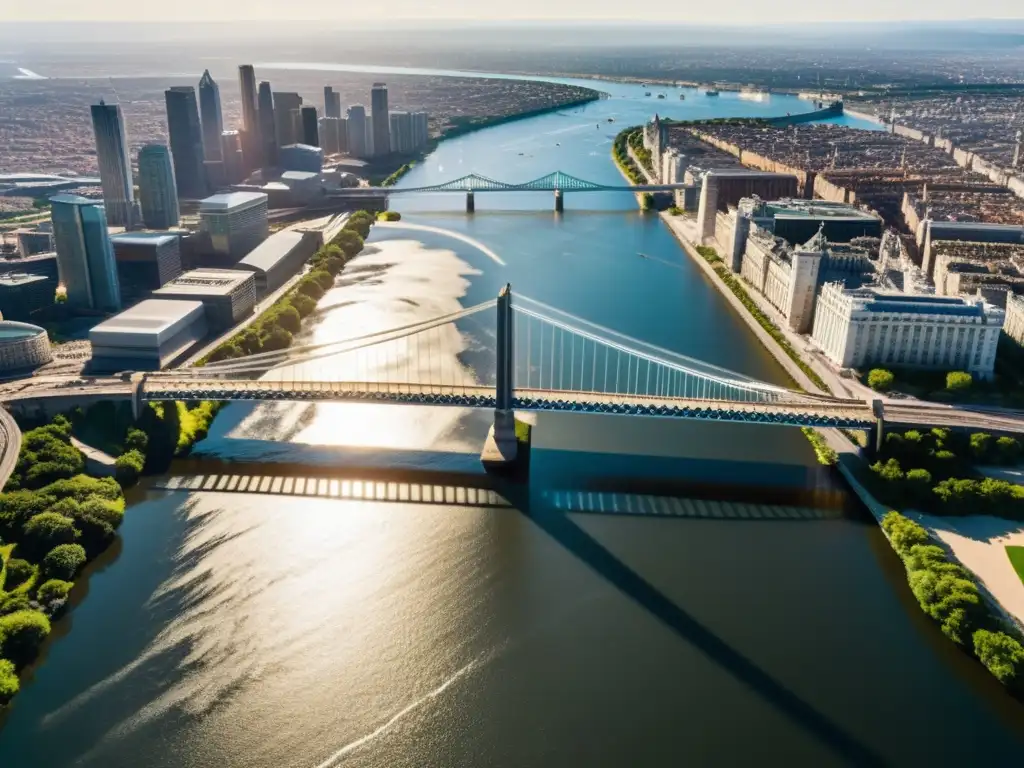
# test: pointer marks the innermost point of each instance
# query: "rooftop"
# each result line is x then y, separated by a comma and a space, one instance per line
271, 251
12, 331
143, 238
229, 200
205, 282
151, 315
299, 175
13, 279
75, 200
874, 300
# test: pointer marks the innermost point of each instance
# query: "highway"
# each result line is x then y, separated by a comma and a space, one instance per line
10, 445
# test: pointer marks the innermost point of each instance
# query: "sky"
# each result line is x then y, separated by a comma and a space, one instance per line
731, 12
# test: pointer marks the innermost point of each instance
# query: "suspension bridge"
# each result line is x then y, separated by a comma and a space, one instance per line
533, 357
558, 182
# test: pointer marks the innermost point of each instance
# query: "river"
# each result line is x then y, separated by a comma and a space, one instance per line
578, 624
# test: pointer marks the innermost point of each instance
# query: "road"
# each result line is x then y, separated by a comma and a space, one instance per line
10, 445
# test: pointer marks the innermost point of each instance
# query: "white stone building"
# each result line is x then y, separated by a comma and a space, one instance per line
867, 327
1014, 324
788, 279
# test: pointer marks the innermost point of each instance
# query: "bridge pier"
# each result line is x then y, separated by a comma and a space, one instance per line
559, 202
501, 449
470, 202
876, 437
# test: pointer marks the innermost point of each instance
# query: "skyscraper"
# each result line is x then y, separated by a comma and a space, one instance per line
420, 129
186, 141
268, 128
332, 102
370, 151
85, 257
329, 135
356, 130
158, 193
115, 164
251, 141
212, 118
402, 137
310, 130
381, 124
234, 159
285, 103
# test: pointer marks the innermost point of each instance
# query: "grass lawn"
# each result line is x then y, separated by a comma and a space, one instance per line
1016, 555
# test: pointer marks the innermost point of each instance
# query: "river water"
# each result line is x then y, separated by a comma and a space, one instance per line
418, 620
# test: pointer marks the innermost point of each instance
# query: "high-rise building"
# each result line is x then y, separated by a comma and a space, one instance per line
356, 124
186, 141
158, 193
310, 129
236, 222
370, 150
381, 124
285, 102
115, 164
332, 102
420, 129
234, 159
85, 257
343, 134
268, 128
251, 141
329, 136
402, 139
212, 117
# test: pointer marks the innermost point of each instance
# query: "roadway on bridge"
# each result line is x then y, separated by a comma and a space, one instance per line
10, 445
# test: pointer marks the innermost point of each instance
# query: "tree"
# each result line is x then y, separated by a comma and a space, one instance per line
9, 684
919, 483
349, 242
18, 572
287, 317
360, 223
881, 380
958, 381
110, 512
54, 589
323, 278
311, 288
389, 216
12, 603
1002, 655
303, 304
63, 562
249, 341
333, 265
1008, 450
23, 633
981, 445
46, 531
136, 440
17, 507
277, 339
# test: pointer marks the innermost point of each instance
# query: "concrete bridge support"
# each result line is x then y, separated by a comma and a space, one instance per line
501, 448
876, 438
559, 202
470, 202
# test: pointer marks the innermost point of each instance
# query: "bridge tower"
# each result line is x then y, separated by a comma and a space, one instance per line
559, 201
470, 201
501, 447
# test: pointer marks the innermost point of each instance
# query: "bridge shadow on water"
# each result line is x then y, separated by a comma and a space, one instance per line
553, 511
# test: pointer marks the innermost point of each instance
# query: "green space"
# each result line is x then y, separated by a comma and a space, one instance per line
1016, 555
934, 472
620, 153
391, 180
710, 255
276, 327
389, 216
949, 594
827, 455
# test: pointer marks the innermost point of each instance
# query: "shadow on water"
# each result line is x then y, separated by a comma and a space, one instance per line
605, 564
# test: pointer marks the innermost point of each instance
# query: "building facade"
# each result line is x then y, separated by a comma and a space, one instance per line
145, 261
310, 126
236, 223
186, 137
85, 256
23, 346
332, 102
789, 280
228, 295
403, 140
158, 192
268, 125
211, 117
251, 141
115, 164
356, 130
330, 135
148, 336
1014, 323
865, 327
234, 157
381, 124
301, 157
285, 103
22, 295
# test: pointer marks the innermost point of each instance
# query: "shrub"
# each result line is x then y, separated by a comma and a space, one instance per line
9, 684
958, 381
136, 440
18, 572
83, 487
23, 633
825, 453
333, 265
952, 601
389, 216
128, 466
17, 507
981, 446
1002, 655
1008, 450
349, 242
904, 533
110, 512
63, 561
46, 531
13, 603
311, 288
881, 380
323, 278
303, 304
919, 484
278, 339
54, 589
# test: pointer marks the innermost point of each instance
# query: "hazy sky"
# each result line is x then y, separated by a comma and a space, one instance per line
729, 12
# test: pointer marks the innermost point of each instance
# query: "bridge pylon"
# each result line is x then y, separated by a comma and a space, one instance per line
559, 202
470, 201
501, 447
